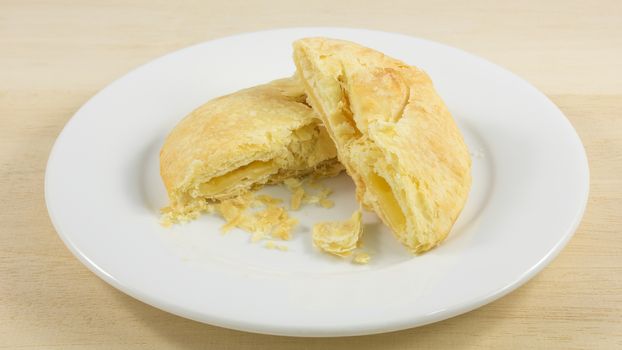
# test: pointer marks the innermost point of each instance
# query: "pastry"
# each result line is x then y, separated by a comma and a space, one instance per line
338, 237
394, 135
234, 143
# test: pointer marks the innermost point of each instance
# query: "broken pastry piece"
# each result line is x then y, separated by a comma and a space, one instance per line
237, 142
361, 258
338, 237
394, 135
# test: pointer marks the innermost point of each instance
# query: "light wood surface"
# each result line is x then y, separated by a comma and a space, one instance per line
54, 55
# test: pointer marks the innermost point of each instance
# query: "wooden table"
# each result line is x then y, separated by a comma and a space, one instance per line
53, 57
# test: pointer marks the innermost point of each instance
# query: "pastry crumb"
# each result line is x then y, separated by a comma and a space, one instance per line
338, 237
268, 200
166, 220
170, 216
326, 203
298, 192
297, 197
361, 258
270, 222
257, 236
274, 245
259, 215
301, 196
321, 198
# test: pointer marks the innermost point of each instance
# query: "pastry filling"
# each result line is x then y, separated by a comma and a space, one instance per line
248, 173
388, 203
303, 153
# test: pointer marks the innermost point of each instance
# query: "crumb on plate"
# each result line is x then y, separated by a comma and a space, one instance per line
338, 237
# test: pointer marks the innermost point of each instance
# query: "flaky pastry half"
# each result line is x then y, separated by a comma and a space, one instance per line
394, 135
237, 142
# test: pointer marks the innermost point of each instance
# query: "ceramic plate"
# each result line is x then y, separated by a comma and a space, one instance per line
103, 192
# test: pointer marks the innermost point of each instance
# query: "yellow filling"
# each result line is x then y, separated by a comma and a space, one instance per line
388, 203
246, 173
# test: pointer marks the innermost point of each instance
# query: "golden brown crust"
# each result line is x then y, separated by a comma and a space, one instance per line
394, 135
254, 136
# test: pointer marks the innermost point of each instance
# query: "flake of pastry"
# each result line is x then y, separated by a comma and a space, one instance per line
274, 245
268, 200
361, 258
338, 237
297, 196
326, 203
270, 222
302, 196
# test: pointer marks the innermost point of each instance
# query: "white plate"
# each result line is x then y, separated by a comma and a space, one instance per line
103, 192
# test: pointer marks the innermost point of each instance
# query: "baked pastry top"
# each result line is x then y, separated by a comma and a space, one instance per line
394, 135
231, 144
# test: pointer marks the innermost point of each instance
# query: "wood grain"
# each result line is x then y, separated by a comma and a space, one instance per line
55, 55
